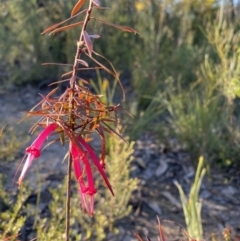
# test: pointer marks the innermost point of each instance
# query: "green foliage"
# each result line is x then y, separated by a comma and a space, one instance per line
142, 119
11, 141
195, 119
108, 209
191, 205
11, 210
23, 49
122, 55
53, 228
204, 114
226, 72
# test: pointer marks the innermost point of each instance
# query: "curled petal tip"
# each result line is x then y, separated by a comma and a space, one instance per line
91, 191
34, 151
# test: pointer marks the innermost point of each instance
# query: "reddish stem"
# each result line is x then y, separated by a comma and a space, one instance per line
71, 116
80, 44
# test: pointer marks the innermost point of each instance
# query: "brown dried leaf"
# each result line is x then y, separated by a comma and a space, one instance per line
96, 3
50, 143
83, 62
93, 125
138, 236
68, 73
103, 67
84, 81
52, 27
66, 27
102, 8
48, 95
88, 43
162, 237
115, 73
36, 125
123, 28
94, 36
57, 82
77, 7
111, 130
90, 68
58, 24
59, 64
109, 120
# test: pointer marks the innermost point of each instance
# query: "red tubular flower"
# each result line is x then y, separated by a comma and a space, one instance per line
33, 151
79, 176
96, 162
81, 162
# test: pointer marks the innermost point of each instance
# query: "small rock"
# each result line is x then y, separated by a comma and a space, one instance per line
228, 191
127, 238
161, 169
142, 182
190, 174
205, 194
140, 162
147, 174
155, 207
172, 199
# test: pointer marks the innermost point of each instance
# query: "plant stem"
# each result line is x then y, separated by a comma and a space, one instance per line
71, 116
68, 196
79, 47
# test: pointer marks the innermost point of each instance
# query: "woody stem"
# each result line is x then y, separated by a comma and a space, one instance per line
68, 196
71, 115
79, 45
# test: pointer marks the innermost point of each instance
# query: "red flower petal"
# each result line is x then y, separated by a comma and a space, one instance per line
96, 162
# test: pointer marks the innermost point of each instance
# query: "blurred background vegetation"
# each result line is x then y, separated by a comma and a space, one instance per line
181, 73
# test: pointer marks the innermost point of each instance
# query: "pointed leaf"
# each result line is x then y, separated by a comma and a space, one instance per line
103, 67
96, 3
58, 82
48, 95
68, 73
50, 143
77, 7
111, 130
102, 8
59, 64
88, 43
83, 62
52, 27
58, 24
162, 237
66, 27
84, 81
138, 236
123, 28
94, 36
115, 72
